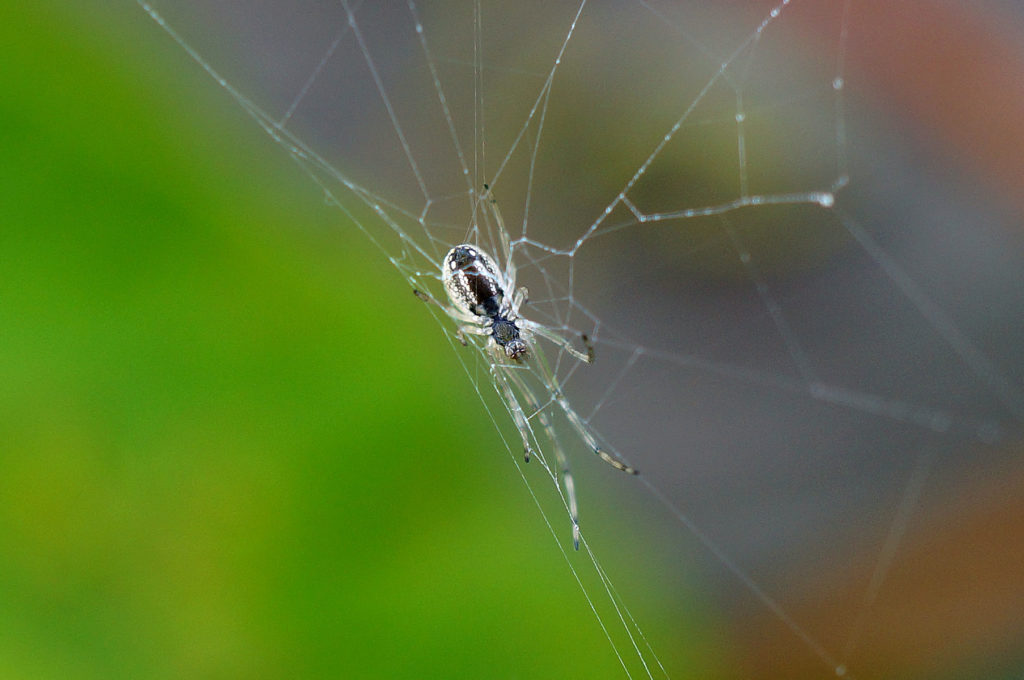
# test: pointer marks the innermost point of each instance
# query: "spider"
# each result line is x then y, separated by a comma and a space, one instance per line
481, 304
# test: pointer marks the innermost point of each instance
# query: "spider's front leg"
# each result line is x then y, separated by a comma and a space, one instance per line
562, 342
521, 297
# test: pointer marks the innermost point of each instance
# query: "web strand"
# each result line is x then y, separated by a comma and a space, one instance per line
459, 142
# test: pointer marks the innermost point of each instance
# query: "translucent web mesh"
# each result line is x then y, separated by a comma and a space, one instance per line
806, 320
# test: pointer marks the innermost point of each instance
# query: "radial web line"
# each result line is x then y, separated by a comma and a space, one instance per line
742, 576
565, 555
667, 137
540, 95
614, 384
741, 143
922, 416
533, 161
479, 138
312, 77
439, 90
793, 346
384, 97
839, 87
297, 149
897, 529
1010, 395
619, 607
711, 59
615, 593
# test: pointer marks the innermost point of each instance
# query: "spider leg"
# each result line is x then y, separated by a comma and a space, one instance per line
469, 325
518, 415
471, 329
427, 297
562, 342
563, 461
509, 268
584, 431
577, 422
520, 298
448, 309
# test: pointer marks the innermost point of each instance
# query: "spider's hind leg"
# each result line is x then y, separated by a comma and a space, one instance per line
518, 415
563, 461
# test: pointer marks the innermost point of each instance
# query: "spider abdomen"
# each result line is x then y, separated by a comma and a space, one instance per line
477, 290
473, 284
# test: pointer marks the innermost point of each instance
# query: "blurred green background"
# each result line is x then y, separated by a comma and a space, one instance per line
232, 443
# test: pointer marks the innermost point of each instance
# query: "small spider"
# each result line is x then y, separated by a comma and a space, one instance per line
480, 303
477, 293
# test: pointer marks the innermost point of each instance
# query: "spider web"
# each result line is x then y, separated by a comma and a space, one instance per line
806, 320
